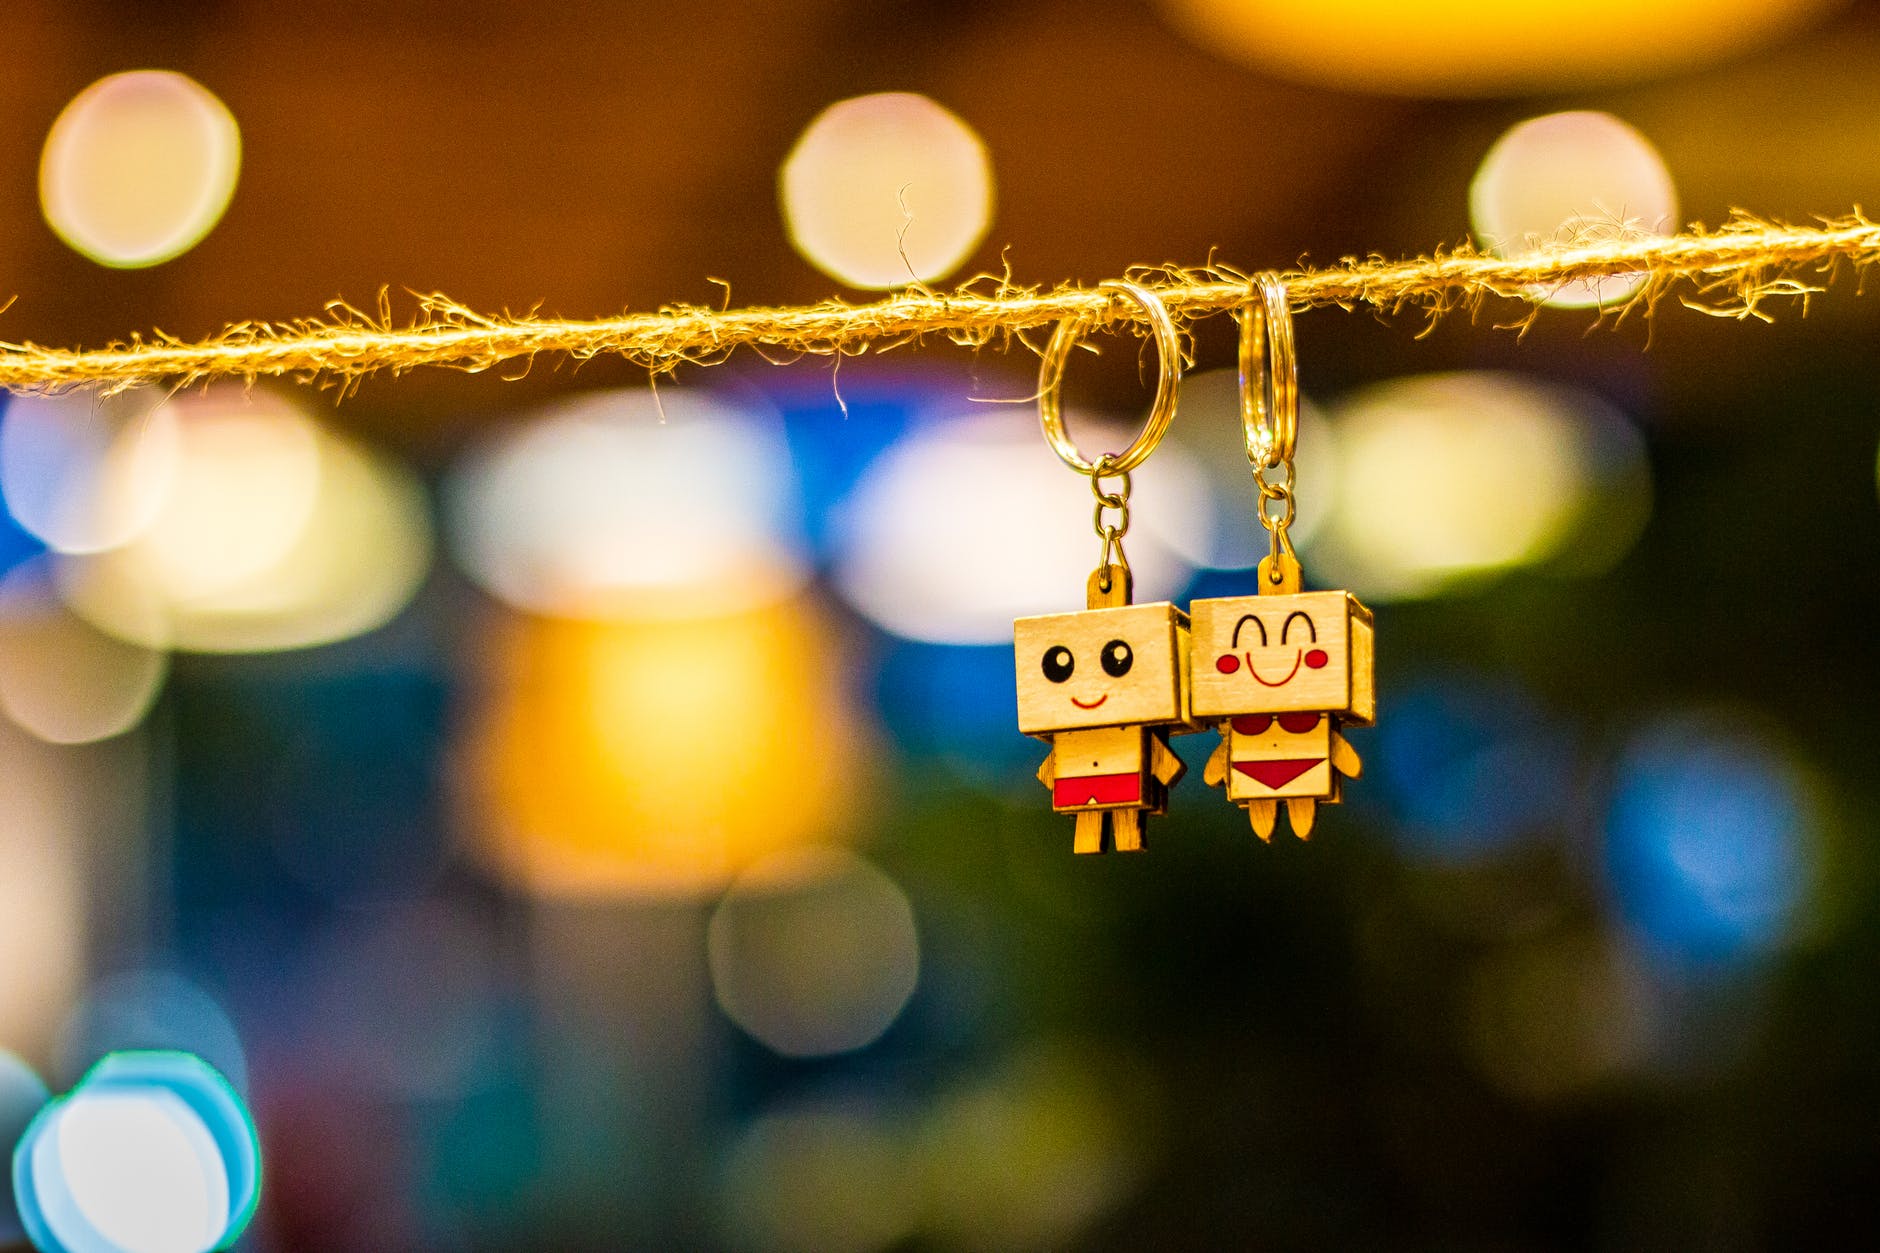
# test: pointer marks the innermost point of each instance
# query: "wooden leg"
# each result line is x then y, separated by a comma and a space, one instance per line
1089, 837
1303, 812
1127, 826
1265, 816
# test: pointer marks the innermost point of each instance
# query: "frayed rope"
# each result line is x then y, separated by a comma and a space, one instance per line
1734, 271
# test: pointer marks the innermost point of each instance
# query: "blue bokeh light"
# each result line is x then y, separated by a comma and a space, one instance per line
71, 1202
958, 704
1709, 852
832, 441
22, 1095
152, 1010
1470, 767
17, 544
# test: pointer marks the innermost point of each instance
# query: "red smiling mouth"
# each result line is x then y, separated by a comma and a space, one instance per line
1093, 704
1297, 655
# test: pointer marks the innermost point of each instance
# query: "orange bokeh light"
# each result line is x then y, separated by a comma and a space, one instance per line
658, 757
1483, 47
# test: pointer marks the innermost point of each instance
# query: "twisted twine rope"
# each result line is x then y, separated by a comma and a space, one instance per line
1733, 271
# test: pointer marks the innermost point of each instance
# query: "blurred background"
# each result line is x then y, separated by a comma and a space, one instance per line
579, 815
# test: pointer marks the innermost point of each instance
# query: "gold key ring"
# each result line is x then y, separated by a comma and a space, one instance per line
1161, 409
1269, 376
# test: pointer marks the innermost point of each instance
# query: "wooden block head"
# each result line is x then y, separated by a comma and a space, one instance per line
1125, 666
1270, 654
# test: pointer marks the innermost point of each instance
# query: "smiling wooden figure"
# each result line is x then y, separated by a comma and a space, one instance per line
1104, 688
1280, 673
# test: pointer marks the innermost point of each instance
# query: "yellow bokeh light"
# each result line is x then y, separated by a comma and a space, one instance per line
60, 677
271, 533
139, 167
1448, 476
886, 190
1570, 180
1031, 1152
828, 1176
1483, 47
813, 951
659, 757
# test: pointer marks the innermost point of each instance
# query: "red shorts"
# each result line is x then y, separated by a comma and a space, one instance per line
1084, 791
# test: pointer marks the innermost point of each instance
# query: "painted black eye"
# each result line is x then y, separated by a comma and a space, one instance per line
1117, 659
1058, 663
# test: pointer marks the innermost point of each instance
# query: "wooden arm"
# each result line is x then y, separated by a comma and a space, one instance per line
1345, 757
1163, 763
1216, 773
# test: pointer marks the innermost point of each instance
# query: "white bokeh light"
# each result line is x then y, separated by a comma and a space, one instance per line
813, 951
886, 190
627, 505
1572, 180
142, 1171
969, 522
271, 533
139, 167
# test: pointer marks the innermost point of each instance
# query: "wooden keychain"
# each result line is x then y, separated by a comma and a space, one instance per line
1279, 672
1105, 687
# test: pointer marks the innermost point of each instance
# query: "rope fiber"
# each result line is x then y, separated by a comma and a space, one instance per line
1732, 271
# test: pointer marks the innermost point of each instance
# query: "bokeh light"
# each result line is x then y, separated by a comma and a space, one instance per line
1471, 768
661, 756
813, 951
151, 1009
139, 167
150, 1153
886, 190
271, 533
1482, 47
1555, 1015
969, 522
820, 1176
1571, 180
22, 1095
141, 1171
85, 472
630, 505
1032, 1151
60, 677
1712, 842
1448, 477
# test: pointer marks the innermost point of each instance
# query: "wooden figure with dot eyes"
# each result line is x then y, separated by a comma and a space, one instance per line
1104, 688
1281, 673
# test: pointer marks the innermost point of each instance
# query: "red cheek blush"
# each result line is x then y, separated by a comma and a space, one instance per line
1227, 663
1316, 659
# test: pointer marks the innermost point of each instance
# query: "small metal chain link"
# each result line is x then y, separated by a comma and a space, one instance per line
1110, 533
1276, 505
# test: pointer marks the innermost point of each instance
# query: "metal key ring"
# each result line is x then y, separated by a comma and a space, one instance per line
1269, 376
1161, 409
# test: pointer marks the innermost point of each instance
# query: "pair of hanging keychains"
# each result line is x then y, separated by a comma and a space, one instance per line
1276, 673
